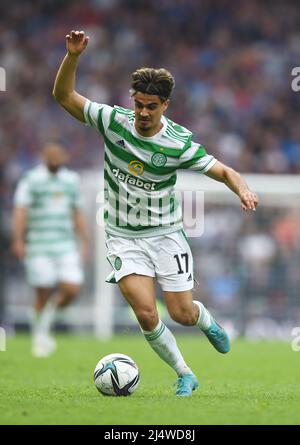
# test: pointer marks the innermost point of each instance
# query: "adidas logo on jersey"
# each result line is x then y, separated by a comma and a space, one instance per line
121, 143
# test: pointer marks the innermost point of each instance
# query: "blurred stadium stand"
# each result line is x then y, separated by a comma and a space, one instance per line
232, 61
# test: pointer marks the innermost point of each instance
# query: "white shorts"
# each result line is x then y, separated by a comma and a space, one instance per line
166, 257
48, 271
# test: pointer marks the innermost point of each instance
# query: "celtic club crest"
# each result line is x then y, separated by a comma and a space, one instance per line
159, 159
118, 263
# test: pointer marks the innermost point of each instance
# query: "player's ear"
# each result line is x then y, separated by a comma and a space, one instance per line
166, 104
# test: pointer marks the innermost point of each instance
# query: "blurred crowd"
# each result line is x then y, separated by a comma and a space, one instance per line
249, 267
232, 61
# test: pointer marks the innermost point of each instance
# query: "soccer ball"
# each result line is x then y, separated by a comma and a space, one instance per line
116, 375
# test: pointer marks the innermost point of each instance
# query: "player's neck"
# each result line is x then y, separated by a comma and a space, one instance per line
148, 133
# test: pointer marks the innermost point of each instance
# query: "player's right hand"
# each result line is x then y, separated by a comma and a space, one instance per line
76, 42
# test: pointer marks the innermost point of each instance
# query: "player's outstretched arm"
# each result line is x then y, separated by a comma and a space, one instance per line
64, 85
233, 180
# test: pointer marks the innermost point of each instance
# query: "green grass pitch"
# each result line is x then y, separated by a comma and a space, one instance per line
256, 383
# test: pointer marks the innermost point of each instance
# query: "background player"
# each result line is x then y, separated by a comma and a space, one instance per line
158, 147
46, 220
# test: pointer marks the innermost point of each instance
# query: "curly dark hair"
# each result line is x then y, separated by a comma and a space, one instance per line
159, 82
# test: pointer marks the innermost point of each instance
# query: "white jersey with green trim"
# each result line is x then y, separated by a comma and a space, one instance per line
140, 172
50, 200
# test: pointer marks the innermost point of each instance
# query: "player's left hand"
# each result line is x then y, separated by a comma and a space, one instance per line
249, 200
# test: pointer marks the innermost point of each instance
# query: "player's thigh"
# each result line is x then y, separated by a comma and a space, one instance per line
139, 291
41, 271
174, 263
134, 272
69, 290
42, 295
180, 306
69, 270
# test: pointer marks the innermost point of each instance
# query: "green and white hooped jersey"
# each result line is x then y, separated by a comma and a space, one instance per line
50, 200
140, 172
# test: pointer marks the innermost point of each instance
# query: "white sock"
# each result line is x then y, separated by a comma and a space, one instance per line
42, 321
204, 320
163, 342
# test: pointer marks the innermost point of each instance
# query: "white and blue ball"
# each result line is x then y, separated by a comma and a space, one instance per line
116, 375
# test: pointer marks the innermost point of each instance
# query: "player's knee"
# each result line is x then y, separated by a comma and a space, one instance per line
186, 318
147, 318
72, 292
